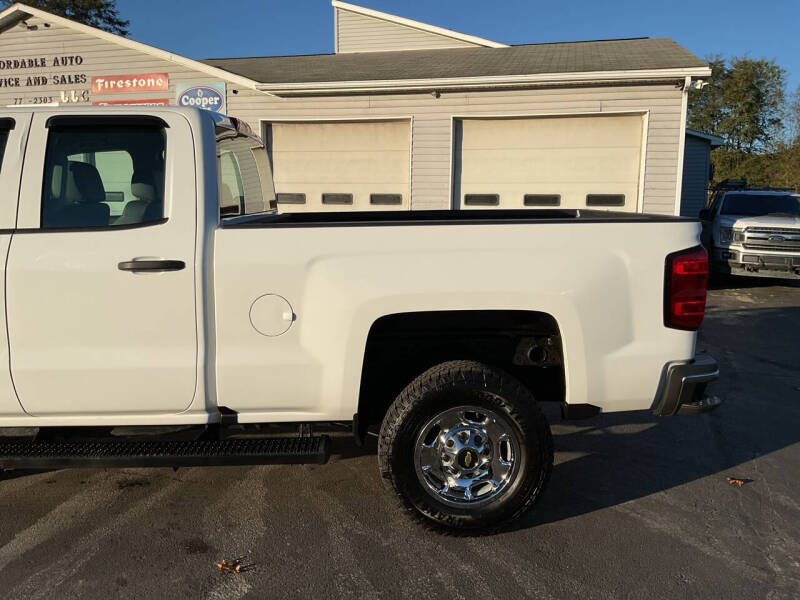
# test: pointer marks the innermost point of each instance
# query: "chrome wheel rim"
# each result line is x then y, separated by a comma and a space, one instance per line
467, 455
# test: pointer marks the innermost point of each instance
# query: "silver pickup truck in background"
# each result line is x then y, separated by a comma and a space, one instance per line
753, 231
155, 311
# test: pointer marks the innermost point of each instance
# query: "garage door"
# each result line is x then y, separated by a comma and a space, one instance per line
545, 162
341, 165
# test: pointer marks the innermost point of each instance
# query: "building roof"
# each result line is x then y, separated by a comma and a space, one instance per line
714, 140
564, 57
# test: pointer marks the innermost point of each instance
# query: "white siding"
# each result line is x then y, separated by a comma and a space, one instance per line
696, 164
361, 33
432, 145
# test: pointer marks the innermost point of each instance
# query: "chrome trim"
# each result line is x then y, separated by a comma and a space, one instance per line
771, 238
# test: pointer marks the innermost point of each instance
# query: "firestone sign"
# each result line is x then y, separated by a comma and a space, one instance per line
139, 82
210, 96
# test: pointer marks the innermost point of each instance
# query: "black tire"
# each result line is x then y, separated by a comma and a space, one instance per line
454, 384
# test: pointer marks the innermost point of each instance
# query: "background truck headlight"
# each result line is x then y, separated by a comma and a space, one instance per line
725, 235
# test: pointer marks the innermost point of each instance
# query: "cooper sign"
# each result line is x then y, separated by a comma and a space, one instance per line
210, 96
140, 82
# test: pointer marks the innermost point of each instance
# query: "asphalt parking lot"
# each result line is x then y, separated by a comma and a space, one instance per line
637, 507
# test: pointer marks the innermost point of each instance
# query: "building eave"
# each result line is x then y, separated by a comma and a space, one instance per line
714, 140
461, 83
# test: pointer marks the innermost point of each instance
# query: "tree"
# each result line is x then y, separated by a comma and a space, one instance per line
743, 104
793, 118
102, 14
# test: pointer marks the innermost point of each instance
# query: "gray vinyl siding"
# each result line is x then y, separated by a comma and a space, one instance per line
100, 57
432, 147
696, 164
360, 33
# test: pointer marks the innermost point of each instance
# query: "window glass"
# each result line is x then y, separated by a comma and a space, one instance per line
760, 205
244, 176
101, 177
481, 200
231, 188
3, 140
542, 200
605, 199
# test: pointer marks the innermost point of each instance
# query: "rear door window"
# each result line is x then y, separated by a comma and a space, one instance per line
244, 176
3, 142
103, 177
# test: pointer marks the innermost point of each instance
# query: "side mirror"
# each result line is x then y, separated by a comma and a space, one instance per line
705, 214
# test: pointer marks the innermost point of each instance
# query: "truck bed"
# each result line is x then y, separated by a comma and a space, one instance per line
444, 217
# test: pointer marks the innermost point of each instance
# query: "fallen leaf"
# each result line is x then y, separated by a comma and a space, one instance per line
736, 481
231, 566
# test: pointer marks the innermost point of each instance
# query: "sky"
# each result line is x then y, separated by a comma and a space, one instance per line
211, 29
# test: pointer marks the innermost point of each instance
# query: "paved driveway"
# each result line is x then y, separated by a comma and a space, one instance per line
637, 507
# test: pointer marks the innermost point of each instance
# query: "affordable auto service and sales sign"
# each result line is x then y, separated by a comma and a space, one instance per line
210, 96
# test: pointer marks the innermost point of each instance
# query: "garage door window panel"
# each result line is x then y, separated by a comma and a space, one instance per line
344, 199
482, 200
285, 198
386, 199
605, 200
103, 177
548, 200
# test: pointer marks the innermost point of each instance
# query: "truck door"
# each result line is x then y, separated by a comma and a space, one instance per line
100, 280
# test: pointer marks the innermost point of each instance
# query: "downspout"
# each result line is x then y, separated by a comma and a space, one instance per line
687, 84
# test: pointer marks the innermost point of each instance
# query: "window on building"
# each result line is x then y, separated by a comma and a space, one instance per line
542, 200
337, 198
605, 200
386, 199
285, 198
103, 176
482, 199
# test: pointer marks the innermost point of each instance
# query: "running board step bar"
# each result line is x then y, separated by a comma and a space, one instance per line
193, 453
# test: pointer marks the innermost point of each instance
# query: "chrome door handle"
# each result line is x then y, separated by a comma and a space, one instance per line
151, 266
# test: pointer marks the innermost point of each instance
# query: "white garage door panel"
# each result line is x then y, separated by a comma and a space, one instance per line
358, 158
570, 156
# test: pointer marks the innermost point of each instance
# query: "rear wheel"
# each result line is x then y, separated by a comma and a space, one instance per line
465, 448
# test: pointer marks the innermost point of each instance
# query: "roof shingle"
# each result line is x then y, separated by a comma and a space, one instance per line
562, 57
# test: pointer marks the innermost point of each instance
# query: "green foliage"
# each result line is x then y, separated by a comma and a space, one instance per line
746, 105
743, 104
773, 169
102, 14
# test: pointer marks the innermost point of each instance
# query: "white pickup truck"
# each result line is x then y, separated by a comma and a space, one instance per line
753, 231
156, 311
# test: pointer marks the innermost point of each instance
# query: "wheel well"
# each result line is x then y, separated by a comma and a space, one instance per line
401, 346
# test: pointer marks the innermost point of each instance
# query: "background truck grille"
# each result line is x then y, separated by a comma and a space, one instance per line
771, 238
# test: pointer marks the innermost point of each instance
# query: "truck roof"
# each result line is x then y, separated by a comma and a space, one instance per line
221, 121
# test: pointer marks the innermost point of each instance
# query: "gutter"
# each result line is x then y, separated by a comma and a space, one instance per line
468, 83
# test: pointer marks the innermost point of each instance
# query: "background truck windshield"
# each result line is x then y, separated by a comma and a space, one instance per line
759, 205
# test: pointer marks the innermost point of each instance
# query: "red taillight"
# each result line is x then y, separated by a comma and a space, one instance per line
685, 288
